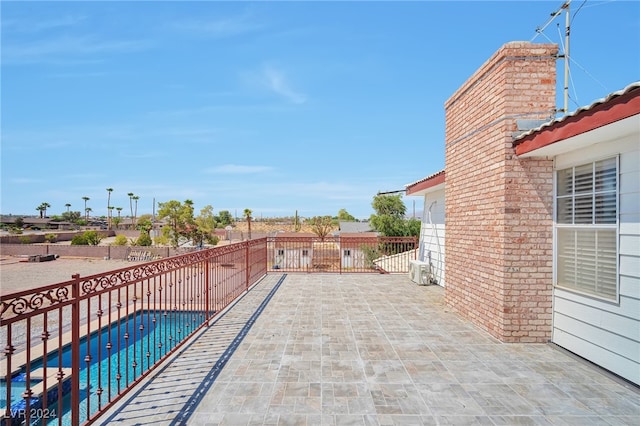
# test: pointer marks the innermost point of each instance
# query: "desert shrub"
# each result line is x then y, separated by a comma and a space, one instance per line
93, 238
88, 238
25, 239
144, 240
370, 254
120, 240
51, 238
79, 240
161, 240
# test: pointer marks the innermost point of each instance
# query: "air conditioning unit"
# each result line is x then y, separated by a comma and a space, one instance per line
420, 272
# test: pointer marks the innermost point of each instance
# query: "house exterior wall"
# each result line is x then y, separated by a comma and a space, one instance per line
353, 258
293, 258
499, 207
608, 333
432, 234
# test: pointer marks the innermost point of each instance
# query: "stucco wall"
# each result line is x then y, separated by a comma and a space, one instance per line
40, 237
112, 252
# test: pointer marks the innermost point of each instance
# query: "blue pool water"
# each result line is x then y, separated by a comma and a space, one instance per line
142, 342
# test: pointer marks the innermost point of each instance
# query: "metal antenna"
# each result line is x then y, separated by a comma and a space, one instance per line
565, 56
540, 30
391, 192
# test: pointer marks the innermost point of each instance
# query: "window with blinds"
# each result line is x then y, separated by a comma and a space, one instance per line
586, 228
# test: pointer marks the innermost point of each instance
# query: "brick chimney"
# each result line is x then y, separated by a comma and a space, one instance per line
498, 207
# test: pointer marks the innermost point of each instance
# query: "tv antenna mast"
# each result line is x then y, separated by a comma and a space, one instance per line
565, 55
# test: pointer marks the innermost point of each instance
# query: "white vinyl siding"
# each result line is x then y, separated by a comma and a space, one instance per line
603, 331
432, 234
586, 228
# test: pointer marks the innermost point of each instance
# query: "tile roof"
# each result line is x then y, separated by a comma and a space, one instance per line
427, 182
426, 178
630, 88
354, 227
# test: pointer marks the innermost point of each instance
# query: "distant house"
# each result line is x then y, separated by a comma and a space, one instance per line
542, 222
293, 250
356, 249
354, 227
36, 223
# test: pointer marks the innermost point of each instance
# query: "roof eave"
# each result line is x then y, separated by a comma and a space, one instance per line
432, 183
586, 120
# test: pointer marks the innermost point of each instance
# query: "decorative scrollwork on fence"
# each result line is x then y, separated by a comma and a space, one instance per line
101, 282
143, 271
32, 302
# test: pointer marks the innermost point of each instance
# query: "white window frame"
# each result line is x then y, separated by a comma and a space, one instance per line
593, 226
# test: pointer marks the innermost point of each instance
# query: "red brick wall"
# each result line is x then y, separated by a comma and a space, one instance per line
498, 207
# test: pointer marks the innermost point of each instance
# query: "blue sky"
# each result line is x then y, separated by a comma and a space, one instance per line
271, 106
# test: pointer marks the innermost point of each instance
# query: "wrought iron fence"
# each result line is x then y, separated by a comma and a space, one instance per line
340, 254
73, 349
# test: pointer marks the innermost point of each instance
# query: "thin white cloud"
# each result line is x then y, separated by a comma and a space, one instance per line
273, 80
31, 26
303, 190
236, 169
321, 187
23, 181
277, 82
67, 47
28, 140
75, 75
143, 155
220, 27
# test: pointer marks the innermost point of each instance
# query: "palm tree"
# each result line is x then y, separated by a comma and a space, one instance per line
247, 215
109, 191
130, 194
67, 206
86, 212
110, 215
42, 208
119, 209
135, 211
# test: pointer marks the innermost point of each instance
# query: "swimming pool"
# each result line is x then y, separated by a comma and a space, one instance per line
143, 338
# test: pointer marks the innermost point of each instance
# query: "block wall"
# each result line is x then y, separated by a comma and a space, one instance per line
499, 207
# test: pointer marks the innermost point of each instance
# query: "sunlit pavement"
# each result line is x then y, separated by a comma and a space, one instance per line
362, 349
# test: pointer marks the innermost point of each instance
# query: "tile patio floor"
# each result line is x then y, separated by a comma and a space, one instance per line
328, 349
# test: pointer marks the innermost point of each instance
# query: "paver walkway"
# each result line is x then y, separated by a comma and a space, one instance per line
368, 350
